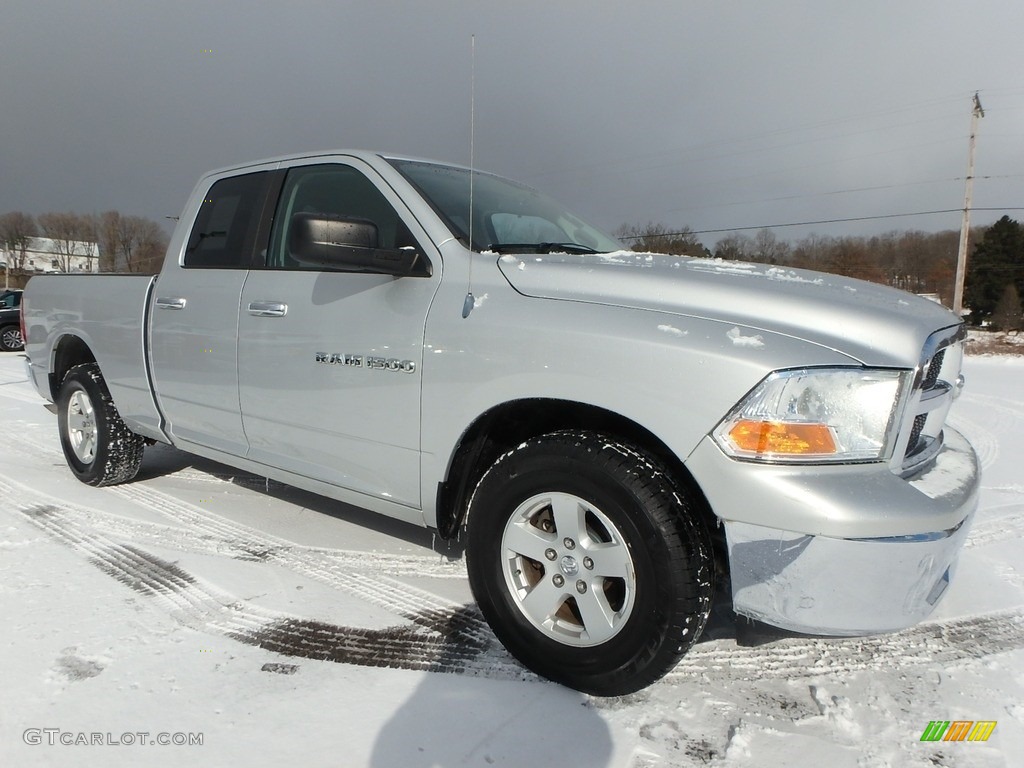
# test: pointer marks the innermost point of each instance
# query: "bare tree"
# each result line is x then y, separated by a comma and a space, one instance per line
768, 249
919, 262
655, 237
851, 257
107, 238
16, 230
73, 237
812, 252
940, 280
735, 248
130, 243
152, 245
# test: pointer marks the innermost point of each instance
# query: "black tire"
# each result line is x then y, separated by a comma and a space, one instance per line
621, 506
99, 448
10, 339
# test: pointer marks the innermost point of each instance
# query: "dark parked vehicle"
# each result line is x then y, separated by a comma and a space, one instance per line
10, 322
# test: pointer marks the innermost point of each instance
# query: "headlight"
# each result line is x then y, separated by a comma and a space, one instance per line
815, 415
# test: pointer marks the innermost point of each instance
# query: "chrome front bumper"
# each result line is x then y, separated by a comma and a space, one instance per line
823, 582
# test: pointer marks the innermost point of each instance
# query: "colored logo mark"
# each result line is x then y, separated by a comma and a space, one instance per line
958, 730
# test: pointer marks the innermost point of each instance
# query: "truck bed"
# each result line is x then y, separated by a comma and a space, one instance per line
105, 312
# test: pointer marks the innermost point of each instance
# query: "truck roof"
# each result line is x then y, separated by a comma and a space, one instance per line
368, 156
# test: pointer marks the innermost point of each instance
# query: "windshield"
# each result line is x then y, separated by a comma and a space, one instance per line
507, 217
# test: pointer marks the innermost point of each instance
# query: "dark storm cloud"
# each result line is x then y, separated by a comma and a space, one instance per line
710, 115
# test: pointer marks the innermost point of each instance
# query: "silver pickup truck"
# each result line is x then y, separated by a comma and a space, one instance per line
607, 433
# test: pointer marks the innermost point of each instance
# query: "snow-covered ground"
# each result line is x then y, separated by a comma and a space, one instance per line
281, 628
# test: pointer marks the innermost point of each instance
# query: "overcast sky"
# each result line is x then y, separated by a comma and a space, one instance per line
713, 115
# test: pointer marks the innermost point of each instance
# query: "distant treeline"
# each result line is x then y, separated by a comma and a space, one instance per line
125, 243
919, 262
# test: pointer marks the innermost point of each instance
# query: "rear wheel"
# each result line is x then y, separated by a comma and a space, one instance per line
589, 563
10, 338
99, 448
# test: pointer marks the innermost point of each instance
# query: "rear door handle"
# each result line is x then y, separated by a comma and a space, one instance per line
268, 309
165, 302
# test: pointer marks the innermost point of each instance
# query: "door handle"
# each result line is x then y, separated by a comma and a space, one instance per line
165, 302
268, 309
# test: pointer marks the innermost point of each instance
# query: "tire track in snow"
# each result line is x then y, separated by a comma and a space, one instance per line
444, 636
14, 389
199, 531
1010, 407
927, 644
984, 440
443, 641
380, 590
1001, 523
325, 566
439, 641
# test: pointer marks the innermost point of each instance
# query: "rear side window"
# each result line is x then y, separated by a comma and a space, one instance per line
224, 234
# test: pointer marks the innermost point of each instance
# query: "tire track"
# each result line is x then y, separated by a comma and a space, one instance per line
1013, 408
430, 640
381, 590
324, 566
927, 644
1001, 523
14, 389
199, 531
438, 641
439, 635
984, 440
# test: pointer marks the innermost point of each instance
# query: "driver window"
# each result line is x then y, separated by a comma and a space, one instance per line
337, 190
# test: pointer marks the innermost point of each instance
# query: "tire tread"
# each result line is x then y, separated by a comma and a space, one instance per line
119, 452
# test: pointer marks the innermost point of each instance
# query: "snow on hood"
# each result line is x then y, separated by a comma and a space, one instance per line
872, 323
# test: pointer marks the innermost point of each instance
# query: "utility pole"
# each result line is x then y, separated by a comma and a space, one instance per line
965, 225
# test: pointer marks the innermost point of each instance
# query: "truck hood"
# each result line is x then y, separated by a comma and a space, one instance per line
871, 323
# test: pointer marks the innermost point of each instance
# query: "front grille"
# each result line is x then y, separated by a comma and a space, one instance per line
933, 393
915, 434
934, 367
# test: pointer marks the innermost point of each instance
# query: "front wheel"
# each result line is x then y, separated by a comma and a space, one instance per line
590, 564
98, 446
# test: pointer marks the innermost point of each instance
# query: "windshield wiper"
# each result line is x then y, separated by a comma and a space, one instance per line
539, 248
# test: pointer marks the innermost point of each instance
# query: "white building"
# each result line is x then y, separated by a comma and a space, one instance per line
44, 255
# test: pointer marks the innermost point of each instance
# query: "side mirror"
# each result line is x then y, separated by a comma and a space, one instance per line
337, 243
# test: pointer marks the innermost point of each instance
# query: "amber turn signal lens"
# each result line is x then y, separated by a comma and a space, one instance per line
778, 437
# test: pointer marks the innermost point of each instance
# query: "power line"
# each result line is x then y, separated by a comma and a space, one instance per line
822, 194
809, 223
851, 190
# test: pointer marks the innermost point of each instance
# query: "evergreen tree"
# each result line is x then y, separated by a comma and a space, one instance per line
1007, 315
997, 262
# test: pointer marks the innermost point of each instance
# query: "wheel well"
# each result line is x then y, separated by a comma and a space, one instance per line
69, 352
505, 426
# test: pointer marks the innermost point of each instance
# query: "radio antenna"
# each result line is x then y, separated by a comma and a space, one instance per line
470, 302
